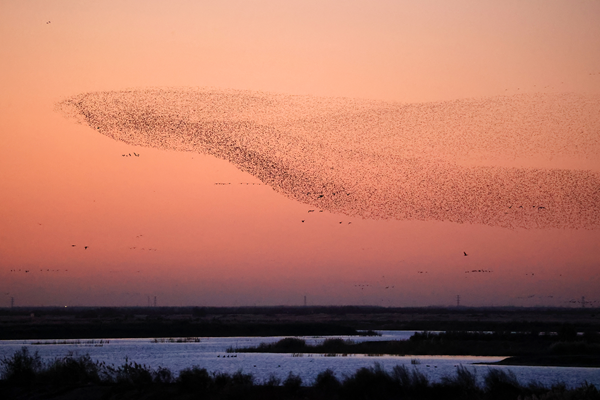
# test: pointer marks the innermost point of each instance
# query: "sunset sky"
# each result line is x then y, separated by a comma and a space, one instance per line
158, 225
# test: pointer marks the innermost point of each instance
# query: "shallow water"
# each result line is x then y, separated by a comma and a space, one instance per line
210, 353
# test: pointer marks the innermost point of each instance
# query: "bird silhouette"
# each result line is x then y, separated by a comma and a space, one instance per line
377, 188
465, 253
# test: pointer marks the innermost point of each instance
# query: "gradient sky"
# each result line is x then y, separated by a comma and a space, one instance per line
62, 183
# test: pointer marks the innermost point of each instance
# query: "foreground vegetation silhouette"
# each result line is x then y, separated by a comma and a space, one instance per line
26, 376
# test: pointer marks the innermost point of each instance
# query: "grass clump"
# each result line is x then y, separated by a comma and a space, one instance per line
22, 367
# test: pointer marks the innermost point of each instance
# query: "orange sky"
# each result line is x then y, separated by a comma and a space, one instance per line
62, 183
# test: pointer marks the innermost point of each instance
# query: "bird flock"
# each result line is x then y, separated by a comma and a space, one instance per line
461, 161
26, 271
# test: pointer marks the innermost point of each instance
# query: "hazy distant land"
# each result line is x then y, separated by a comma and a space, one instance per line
124, 322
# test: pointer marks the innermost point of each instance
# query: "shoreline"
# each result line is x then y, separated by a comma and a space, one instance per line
571, 361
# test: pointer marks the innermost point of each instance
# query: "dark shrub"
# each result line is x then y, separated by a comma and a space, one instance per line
70, 370
21, 367
401, 376
221, 380
194, 378
417, 337
370, 332
162, 375
370, 383
586, 392
272, 381
239, 379
333, 345
133, 374
409, 381
290, 345
326, 382
464, 383
292, 383
560, 392
500, 384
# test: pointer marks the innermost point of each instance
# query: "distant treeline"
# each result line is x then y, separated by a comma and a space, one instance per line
25, 376
165, 328
107, 322
90, 312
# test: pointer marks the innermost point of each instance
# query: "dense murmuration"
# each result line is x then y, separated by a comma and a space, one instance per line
443, 161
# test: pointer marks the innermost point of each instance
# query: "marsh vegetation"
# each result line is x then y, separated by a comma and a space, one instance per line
25, 375
565, 347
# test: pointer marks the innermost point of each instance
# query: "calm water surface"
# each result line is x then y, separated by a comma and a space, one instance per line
210, 353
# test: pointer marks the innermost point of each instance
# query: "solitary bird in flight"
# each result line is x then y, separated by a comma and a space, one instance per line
465, 253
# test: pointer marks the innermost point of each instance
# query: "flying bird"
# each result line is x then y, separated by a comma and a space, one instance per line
287, 159
465, 253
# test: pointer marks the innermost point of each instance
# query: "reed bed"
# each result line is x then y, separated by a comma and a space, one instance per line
24, 375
